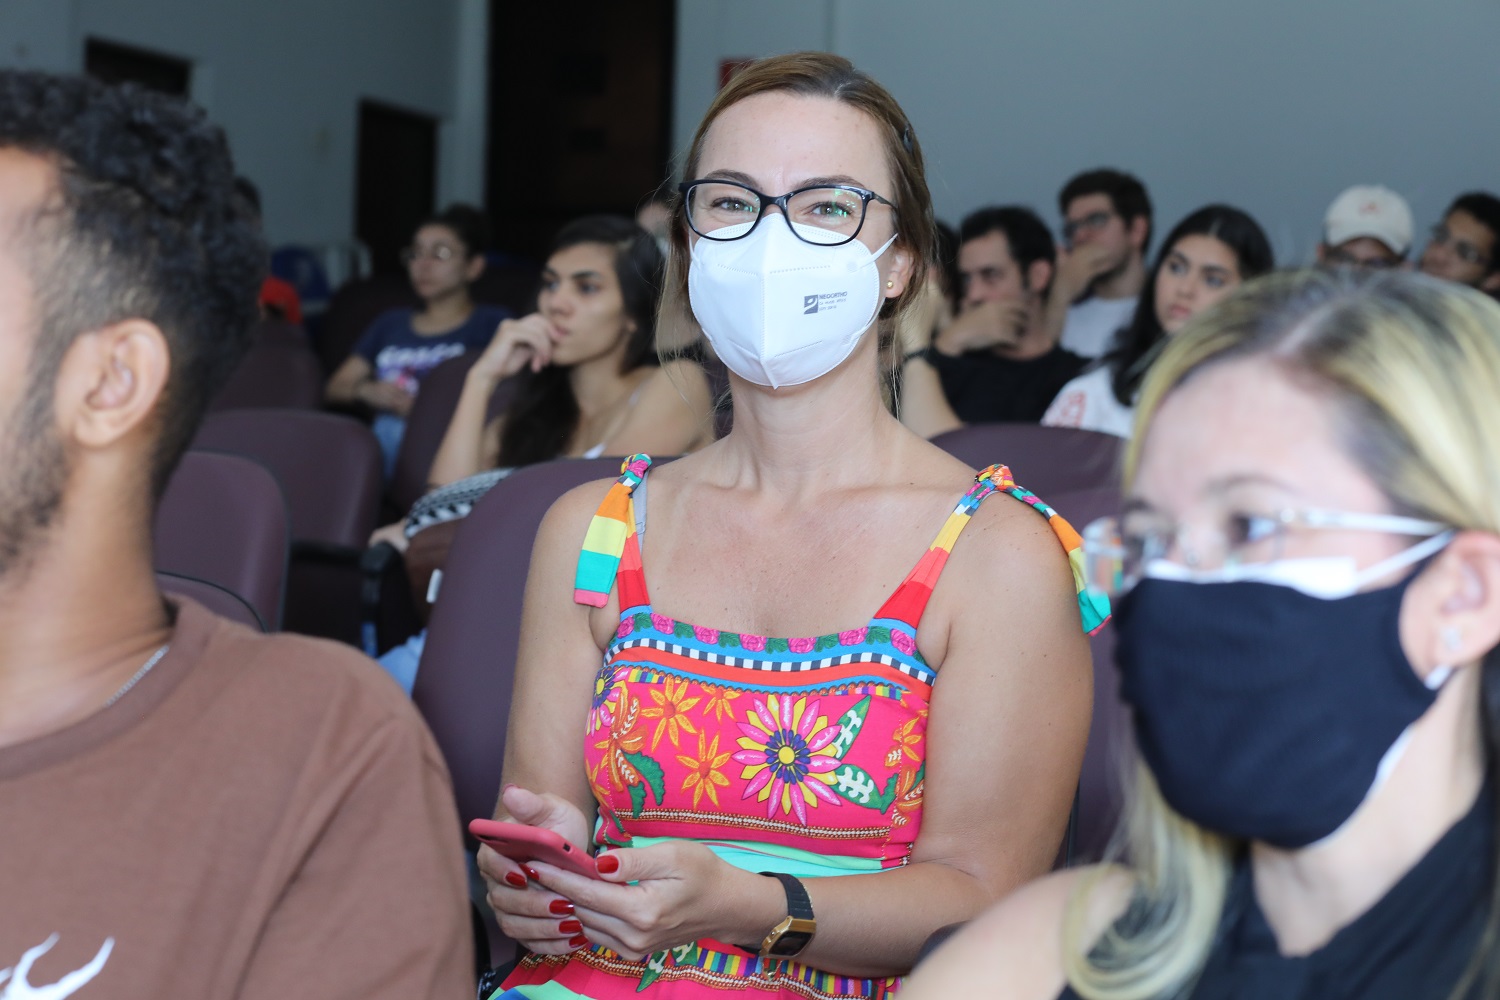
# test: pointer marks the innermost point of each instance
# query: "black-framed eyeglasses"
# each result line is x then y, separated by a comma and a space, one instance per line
824, 215
1091, 222
1465, 251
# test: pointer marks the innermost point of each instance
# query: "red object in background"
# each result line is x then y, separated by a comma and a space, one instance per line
729, 67
281, 298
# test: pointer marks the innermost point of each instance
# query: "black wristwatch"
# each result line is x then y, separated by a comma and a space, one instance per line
788, 938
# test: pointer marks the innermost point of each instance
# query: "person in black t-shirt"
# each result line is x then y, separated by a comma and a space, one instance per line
995, 362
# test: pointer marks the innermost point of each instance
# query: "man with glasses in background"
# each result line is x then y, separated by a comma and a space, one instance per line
1367, 226
1465, 246
1102, 267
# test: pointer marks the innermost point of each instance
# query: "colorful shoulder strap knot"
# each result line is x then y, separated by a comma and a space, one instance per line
604, 545
1093, 607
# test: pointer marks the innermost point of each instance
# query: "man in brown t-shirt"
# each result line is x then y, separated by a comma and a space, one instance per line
188, 809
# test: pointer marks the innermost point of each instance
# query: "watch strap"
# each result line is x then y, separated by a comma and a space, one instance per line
791, 935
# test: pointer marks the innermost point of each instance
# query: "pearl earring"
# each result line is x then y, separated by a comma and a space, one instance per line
889, 283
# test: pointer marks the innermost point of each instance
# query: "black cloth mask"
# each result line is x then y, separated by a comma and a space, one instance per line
1263, 712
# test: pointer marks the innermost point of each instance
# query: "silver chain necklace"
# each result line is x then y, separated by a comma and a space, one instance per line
136, 678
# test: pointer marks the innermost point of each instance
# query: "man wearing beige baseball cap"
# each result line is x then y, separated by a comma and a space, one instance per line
1367, 226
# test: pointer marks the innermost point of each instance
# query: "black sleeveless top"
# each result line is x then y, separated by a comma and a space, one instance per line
1414, 944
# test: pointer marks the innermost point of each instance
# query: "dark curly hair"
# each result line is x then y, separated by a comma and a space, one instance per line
145, 224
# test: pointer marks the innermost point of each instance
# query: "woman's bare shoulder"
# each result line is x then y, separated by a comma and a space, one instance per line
1014, 950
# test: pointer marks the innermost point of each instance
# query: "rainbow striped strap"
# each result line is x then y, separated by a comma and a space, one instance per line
612, 526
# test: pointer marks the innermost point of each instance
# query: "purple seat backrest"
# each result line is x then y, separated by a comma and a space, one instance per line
1099, 786
1045, 460
428, 422
353, 308
222, 602
280, 370
223, 519
463, 686
328, 467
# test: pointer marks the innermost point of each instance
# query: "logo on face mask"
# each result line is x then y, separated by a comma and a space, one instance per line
812, 303
766, 329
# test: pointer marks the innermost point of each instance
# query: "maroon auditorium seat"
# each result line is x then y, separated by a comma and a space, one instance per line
463, 686
329, 470
1045, 460
280, 370
222, 519
222, 602
1099, 788
428, 422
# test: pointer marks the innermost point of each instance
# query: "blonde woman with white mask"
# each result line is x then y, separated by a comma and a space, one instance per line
780, 817
1311, 646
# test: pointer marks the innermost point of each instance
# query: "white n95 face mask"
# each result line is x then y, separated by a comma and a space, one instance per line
781, 311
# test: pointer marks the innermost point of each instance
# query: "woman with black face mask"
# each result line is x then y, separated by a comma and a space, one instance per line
1310, 643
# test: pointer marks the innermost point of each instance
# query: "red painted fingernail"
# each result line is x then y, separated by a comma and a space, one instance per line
578, 942
561, 907
569, 927
608, 864
531, 873
515, 879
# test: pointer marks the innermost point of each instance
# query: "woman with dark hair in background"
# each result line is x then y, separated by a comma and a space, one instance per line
391, 358
590, 384
1203, 259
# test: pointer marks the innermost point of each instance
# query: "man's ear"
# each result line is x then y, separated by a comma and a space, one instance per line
475, 267
1039, 276
111, 380
1140, 228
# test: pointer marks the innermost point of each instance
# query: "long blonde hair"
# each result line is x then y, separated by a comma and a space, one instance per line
1413, 366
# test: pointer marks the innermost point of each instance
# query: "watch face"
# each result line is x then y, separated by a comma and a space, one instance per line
790, 943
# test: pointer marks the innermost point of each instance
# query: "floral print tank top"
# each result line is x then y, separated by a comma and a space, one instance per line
802, 755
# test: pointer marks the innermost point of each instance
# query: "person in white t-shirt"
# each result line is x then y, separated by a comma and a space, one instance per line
1203, 258
1106, 233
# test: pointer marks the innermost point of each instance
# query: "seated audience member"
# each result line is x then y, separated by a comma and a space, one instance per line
1465, 246
1100, 272
995, 361
590, 383
278, 298
391, 358
789, 817
1203, 259
1366, 227
189, 808
1312, 655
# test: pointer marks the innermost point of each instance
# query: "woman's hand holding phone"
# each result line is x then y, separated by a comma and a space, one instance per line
529, 913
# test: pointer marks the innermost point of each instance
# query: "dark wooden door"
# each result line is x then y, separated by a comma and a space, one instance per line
116, 63
580, 105
396, 179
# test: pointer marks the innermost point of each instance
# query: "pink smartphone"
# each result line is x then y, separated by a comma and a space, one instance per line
524, 844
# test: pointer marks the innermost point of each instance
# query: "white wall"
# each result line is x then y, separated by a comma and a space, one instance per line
1274, 105
284, 78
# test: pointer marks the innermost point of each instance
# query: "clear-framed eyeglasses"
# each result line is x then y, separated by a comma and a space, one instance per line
825, 215
1116, 550
439, 251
